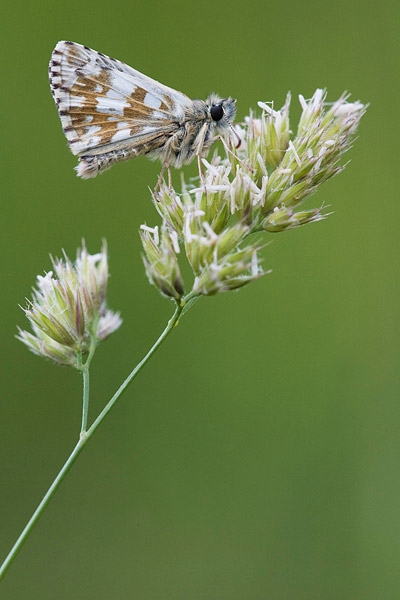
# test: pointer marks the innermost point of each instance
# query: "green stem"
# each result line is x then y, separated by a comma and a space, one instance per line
86, 381
38, 512
84, 439
85, 404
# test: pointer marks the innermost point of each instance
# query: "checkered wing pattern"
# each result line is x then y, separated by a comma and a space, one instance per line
106, 105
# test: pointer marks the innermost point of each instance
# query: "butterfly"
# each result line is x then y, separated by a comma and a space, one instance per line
110, 113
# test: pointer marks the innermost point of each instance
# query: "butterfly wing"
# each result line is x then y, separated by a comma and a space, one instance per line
104, 104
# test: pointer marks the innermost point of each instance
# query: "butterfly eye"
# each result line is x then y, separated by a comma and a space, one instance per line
217, 112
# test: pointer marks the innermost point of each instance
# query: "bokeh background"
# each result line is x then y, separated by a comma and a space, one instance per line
257, 456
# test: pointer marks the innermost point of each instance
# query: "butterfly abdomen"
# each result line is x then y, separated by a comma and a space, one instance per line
90, 166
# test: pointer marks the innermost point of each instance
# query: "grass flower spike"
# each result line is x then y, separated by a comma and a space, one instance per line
251, 190
161, 262
68, 313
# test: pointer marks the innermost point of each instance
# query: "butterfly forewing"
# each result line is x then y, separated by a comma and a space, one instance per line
105, 104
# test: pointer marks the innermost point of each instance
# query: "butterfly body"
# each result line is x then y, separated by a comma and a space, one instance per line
111, 113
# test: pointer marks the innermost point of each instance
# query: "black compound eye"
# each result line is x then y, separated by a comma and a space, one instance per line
217, 112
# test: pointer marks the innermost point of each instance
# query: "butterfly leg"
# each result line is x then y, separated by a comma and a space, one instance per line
199, 154
169, 178
201, 174
160, 177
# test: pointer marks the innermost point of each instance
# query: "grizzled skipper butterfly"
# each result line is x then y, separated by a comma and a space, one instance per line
110, 112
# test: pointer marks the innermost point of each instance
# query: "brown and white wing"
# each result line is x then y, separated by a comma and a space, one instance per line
105, 104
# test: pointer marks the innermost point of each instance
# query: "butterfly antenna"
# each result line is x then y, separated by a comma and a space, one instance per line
239, 141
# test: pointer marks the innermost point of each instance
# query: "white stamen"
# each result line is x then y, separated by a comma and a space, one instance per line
196, 213
268, 109
187, 232
206, 163
191, 213
296, 156
215, 268
217, 171
213, 236
233, 203
348, 108
261, 164
154, 231
303, 103
210, 188
178, 202
174, 239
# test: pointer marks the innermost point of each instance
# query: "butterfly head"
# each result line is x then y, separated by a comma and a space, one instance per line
222, 111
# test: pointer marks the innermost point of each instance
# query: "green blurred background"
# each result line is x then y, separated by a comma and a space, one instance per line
257, 456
